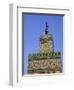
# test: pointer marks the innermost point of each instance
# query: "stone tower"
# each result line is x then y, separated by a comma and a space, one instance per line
46, 41
46, 60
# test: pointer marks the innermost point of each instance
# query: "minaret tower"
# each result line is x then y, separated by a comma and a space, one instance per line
46, 41
45, 61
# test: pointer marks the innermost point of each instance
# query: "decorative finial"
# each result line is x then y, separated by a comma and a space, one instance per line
46, 28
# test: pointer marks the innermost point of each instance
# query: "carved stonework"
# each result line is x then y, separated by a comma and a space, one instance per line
46, 44
46, 65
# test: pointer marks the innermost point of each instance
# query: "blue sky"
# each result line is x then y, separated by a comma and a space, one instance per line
34, 26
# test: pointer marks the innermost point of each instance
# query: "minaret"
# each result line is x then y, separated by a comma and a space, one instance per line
46, 41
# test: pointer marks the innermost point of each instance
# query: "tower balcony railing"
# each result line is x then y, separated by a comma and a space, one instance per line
41, 56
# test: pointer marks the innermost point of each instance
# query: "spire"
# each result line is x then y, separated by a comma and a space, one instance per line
46, 28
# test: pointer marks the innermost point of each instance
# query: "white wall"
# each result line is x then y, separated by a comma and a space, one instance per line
4, 45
